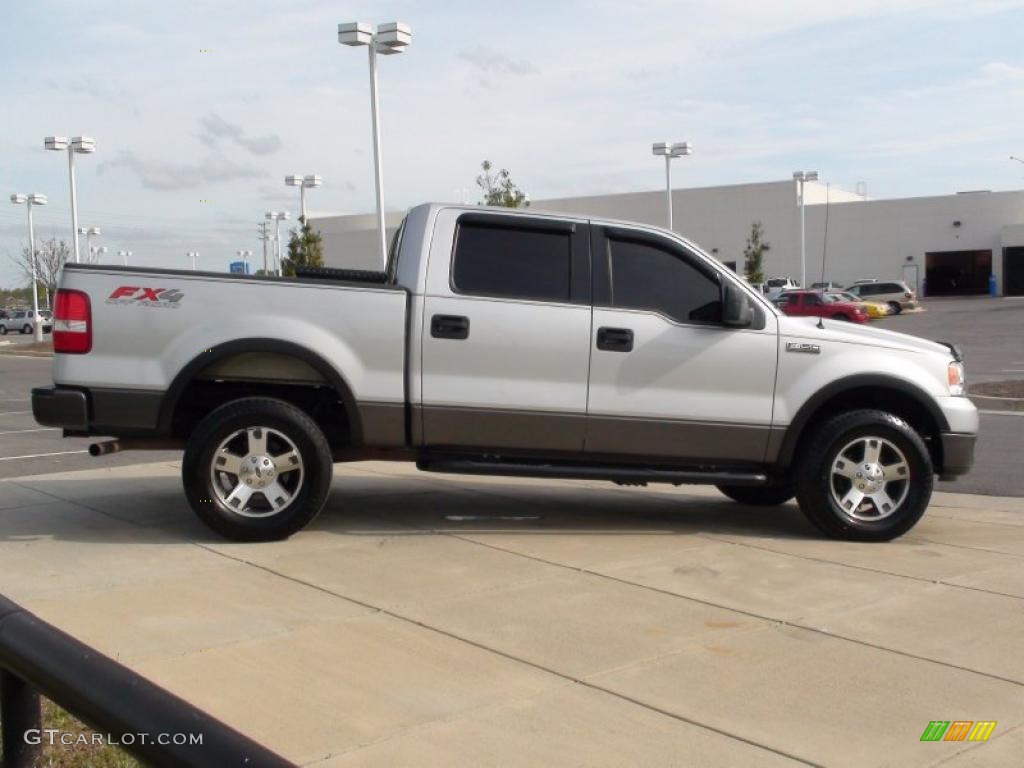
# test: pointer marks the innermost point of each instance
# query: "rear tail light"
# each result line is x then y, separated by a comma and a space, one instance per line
908, 295
72, 323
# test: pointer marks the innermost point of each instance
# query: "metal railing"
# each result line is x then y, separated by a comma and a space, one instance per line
145, 720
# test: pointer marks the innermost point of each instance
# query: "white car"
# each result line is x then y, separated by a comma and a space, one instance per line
776, 286
896, 294
504, 342
24, 321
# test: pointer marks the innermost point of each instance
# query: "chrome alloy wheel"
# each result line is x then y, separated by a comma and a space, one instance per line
256, 472
870, 478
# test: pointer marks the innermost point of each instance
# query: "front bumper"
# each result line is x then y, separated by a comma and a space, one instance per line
957, 454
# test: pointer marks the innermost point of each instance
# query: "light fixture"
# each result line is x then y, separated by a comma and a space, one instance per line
670, 151
81, 145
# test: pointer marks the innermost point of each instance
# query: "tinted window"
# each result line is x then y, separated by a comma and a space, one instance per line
520, 263
646, 277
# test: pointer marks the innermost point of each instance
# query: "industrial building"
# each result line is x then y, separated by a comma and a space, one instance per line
942, 245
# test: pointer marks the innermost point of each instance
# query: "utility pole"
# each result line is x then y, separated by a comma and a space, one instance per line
262, 229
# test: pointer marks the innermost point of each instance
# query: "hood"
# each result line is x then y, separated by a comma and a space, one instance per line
840, 330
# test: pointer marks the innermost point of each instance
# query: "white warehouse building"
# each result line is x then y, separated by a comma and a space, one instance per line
942, 245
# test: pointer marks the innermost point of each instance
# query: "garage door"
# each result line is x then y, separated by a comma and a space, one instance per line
1013, 271
958, 273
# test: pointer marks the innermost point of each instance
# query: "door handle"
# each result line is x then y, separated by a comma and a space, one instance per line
449, 327
615, 339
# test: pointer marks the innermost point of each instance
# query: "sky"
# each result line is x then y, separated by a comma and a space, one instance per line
200, 109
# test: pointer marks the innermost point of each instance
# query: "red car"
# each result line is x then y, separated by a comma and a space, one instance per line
816, 304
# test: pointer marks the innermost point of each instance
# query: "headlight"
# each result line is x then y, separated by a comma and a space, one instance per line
955, 376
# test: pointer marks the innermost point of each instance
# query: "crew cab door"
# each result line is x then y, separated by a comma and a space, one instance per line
506, 333
667, 378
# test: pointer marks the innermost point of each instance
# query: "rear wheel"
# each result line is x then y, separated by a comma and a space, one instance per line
257, 469
759, 495
895, 307
26, 328
864, 476
841, 316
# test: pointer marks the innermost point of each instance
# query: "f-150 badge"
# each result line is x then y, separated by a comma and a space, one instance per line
168, 298
804, 347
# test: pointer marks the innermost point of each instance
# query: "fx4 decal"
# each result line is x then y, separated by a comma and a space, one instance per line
168, 298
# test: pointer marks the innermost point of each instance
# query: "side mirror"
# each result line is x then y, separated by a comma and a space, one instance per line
736, 309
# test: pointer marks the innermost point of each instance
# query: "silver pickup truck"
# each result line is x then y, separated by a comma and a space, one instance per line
505, 343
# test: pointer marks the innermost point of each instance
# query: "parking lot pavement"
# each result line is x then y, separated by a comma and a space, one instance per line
28, 448
429, 619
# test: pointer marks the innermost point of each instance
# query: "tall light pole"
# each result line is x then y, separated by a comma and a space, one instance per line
96, 253
670, 152
194, 256
244, 256
80, 145
277, 217
29, 200
801, 178
125, 255
303, 183
386, 40
89, 232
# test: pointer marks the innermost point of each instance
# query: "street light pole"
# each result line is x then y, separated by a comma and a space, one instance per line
244, 256
194, 255
670, 152
34, 199
97, 253
802, 177
82, 145
386, 40
277, 217
89, 232
303, 182
124, 256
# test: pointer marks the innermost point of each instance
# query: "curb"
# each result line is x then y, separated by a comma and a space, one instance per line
993, 403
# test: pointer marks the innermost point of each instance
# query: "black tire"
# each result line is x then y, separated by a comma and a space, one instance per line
285, 423
3, 330
842, 317
26, 329
759, 495
895, 307
898, 443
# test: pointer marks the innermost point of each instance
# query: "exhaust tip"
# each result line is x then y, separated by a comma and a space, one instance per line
102, 449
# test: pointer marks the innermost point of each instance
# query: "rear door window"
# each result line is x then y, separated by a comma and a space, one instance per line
523, 263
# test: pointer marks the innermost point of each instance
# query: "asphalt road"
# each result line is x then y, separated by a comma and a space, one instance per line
988, 332
28, 449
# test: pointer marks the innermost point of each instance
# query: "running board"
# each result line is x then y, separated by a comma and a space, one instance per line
627, 475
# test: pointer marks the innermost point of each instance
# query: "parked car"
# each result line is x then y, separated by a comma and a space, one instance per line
896, 293
24, 321
817, 304
495, 343
875, 309
775, 286
827, 287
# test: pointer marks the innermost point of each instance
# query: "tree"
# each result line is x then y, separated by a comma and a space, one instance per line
753, 254
304, 250
499, 189
51, 255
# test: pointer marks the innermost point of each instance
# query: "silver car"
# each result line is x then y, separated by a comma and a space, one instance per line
896, 293
24, 321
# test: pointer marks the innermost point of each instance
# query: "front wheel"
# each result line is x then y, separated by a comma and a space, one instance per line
896, 307
26, 328
759, 495
3, 330
257, 469
864, 476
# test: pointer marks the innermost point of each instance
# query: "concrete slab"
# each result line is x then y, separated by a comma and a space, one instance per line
579, 624
611, 626
824, 700
571, 725
325, 689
